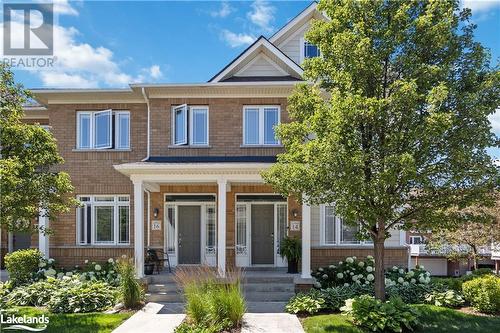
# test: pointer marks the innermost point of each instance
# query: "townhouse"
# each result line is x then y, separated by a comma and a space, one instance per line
176, 167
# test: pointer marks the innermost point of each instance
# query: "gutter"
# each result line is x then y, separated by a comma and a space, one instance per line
146, 99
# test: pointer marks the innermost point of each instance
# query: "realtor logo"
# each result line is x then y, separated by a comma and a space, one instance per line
28, 29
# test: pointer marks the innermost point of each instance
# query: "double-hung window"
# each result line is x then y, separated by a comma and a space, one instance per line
308, 50
106, 129
259, 124
103, 220
190, 125
335, 231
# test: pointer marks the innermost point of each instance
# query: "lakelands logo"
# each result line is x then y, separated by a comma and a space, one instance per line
11, 321
28, 35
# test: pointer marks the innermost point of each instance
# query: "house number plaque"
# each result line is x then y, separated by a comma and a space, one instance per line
156, 225
294, 225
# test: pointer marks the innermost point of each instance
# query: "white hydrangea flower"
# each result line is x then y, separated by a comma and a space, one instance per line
428, 273
42, 264
340, 262
355, 278
387, 281
369, 269
110, 260
66, 278
86, 261
320, 269
351, 274
401, 280
369, 257
411, 273
358, 281
97, 267
50, 272
361, 264
366, 282
401, 271
421, 279
69, 273
394, 268
349, 260
354, 257
427, 280
50, 261
317, 284
413, 281
331, 266
406, 283
325, 276
340, 275
371, 277
346, 284
421, 267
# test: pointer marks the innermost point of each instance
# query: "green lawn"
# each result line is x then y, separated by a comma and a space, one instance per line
434, 320
76, 323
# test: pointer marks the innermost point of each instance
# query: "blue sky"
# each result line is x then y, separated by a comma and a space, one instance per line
111, 44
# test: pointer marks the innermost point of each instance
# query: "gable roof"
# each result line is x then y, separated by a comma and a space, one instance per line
261, 45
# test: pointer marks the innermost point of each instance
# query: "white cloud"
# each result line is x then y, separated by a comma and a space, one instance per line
262, 15
235, 39
224, 10
495, 122
480, 5
155, 72
80, 64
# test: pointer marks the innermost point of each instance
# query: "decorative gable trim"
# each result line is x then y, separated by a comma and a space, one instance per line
264, 44
305, 15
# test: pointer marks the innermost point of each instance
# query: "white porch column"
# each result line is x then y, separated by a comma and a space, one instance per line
221, 226
43, 237
306, 241
139, 227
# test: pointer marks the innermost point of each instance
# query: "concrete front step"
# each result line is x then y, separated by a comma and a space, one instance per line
165, 297
251, 287
266, 307
268, 279
268, 296
162, 287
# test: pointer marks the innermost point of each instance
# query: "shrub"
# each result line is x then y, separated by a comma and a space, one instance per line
335, 297
309, 303
449, 299
35, 294
131, 292
409, 293
65, 295
483, 293
353, 271
22, 265
444, 284
211, 306
377, 316
481, 271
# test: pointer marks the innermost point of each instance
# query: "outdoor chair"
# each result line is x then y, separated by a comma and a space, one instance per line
157, 261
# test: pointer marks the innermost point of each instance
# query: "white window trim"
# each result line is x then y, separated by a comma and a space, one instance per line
188, 119
261, 125
302, 51
116, 203
92, 133
416, 236
95, 114
338, 231
118, 129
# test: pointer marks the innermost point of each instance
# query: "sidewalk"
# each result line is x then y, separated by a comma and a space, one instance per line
154, 319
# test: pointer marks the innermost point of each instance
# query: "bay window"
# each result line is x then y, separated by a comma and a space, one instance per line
190, 125
106, 129
103, 220
259, 124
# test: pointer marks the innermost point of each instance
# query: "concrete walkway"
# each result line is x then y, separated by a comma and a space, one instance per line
157, 318
271, 323
148, 320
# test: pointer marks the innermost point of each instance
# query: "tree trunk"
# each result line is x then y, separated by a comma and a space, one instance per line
378, 251
474, 257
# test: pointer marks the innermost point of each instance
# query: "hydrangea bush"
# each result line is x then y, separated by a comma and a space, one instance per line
91, 271
361, 272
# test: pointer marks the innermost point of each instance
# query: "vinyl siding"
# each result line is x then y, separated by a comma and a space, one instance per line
260, 67
291, 47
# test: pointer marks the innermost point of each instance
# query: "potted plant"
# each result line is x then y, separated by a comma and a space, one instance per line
149, 264
291, 249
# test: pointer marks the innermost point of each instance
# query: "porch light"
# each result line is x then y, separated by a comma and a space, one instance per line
156, 211
295, 213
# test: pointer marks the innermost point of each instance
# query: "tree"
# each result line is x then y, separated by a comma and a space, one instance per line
28, 180
481, 229
392, 126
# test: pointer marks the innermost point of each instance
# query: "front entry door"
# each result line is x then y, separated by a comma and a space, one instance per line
189, 234
262, 234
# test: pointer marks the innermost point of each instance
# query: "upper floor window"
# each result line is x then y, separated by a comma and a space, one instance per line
259, 125
103, 219
308, 50
416, 240
335, 231
190, 125
106, 129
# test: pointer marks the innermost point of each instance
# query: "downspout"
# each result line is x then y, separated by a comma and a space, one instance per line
146, 99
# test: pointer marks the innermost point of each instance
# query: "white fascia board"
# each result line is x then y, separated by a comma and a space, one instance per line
306, 12
271, 48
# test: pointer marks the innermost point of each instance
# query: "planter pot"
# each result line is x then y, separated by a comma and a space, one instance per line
293, 266
149, 269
